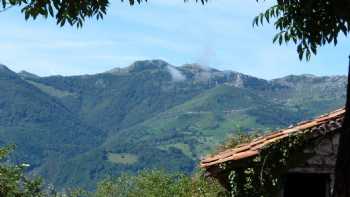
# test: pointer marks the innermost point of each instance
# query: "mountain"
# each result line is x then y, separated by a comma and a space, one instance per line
44, 130
28, 75
77, 130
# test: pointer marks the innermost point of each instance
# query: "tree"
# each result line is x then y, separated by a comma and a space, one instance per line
159, 183
12, 180
311, 24
64, 11
342, 182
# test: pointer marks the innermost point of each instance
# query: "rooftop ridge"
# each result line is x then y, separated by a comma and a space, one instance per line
324, 124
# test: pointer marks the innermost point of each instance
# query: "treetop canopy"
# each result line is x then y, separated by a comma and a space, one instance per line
65, 11
308, 23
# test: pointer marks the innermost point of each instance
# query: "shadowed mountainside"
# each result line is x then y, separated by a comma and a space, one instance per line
76, 130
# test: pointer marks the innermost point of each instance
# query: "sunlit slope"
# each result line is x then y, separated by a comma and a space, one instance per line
209, 118
44, 131
176, 138
76, 130
310, 93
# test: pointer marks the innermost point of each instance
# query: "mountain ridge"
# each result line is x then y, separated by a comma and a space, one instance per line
162, 62
150, 114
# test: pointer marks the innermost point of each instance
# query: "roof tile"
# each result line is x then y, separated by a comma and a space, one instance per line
326, 123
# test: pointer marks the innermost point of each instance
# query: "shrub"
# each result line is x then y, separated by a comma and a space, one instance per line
157, 183
12, 181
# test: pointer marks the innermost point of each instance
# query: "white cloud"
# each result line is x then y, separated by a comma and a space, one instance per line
219, 34
176, 74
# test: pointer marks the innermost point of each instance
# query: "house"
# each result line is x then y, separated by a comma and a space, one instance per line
293, 162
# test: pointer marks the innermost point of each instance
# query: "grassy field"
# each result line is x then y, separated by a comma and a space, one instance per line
122, 158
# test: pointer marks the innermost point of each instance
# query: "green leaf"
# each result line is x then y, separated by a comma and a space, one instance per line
50, 10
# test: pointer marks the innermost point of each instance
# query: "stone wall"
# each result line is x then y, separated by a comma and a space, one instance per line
324, 151
323, 160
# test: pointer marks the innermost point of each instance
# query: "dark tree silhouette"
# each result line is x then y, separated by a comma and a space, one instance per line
72, 12
311, 24
342, 183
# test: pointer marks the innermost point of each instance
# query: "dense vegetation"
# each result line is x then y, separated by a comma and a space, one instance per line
75, 131
159, 183
13, 183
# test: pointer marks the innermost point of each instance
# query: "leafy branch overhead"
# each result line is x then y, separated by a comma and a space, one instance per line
65, 11
309, 23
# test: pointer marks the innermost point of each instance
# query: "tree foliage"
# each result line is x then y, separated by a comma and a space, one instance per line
12, 180
264, 175
309, 24
159, 183
13, 183
65, 11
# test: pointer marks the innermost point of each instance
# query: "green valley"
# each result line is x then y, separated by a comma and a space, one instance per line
77, 130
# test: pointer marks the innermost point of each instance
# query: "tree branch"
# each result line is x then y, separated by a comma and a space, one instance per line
5, 9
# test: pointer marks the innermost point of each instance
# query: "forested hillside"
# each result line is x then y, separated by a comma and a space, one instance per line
76, 130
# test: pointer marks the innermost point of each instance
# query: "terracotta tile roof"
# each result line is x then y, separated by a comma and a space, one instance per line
321, 125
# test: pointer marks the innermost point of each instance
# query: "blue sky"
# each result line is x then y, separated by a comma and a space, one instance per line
219, 35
